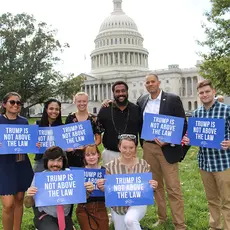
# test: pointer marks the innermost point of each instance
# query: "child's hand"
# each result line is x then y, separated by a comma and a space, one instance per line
89, 186
153, 183
31, 191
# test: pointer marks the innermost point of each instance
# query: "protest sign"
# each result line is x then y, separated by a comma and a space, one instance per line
206, 132
45, 138
60, 187
165, 128
17, 139
128, 189
92, 175
74, 135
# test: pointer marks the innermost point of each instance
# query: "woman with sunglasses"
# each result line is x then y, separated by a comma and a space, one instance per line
51, 116
93, 214
75, 156
16, 172
127, 218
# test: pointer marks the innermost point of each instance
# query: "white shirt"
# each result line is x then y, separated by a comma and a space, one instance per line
153, 105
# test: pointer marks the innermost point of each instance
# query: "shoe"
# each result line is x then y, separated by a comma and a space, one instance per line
158, 223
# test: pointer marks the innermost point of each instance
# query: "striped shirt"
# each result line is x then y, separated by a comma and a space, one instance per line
210, 159
115, 167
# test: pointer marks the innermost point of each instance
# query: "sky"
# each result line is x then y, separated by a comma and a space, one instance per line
170, 28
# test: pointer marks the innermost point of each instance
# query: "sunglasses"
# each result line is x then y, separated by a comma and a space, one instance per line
127, 136
13, 102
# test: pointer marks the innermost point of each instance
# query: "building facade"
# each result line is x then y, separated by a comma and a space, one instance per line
119, 54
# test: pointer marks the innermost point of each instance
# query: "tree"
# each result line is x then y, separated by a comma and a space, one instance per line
216, 63
70, 86
27, 54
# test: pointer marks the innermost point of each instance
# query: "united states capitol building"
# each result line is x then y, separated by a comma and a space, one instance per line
120, 54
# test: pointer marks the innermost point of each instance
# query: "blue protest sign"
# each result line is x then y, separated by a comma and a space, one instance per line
74, 135
165, 128
93, 175
128, 189
60, 187
206, 132
17, 139
45, 138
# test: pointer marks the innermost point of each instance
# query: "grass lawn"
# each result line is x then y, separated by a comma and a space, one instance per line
196, 213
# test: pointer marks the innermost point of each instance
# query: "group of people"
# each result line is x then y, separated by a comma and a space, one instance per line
121, 122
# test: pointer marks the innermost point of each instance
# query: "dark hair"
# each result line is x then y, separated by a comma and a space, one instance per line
90, 149
44, 122
120, 83
203, 83
52, 153
5, 99
153, 74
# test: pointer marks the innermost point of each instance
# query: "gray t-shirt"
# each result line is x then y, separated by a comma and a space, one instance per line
51, 210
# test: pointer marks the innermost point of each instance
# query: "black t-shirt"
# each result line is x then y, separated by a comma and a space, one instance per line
116, 122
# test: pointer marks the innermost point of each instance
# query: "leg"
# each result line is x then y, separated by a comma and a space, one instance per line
108, 156
223, 184
118, 220
8, 205
68, 223
175, 197
18, 210
152, 152
48, 223
133, 217
213, 197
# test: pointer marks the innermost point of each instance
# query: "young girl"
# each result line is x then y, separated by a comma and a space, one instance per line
16, 173
127, 218
51, 116
75, 156
93, 214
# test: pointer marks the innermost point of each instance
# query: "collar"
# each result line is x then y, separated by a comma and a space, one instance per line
115, 106
158, 97
213, 105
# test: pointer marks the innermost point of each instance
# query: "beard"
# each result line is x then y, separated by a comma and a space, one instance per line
121, 103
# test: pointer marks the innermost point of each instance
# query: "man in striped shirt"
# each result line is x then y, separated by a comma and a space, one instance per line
214, 164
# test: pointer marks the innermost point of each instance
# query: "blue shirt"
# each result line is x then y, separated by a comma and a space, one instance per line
210, 159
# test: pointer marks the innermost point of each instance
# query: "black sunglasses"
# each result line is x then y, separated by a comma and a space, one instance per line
127, 136
13, 102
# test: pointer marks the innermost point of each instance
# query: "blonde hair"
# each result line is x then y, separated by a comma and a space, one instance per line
79, 94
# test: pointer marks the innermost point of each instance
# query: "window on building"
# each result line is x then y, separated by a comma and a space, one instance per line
189, 105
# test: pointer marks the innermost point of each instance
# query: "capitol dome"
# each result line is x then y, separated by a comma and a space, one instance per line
119, 45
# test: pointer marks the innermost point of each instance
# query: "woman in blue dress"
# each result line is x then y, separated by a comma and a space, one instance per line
16, 172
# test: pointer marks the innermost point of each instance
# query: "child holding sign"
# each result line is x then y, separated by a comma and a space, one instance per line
16, 172
50, 216
127, 218
93, 214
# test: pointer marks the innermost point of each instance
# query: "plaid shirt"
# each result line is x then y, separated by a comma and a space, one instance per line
210, 159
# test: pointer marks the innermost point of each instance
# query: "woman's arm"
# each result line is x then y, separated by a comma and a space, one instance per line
97, 139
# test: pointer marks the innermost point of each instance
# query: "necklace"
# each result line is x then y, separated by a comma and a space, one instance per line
119, 132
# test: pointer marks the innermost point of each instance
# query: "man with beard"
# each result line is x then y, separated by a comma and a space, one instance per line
119, 117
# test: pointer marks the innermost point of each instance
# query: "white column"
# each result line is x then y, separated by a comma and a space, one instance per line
86, 89
98, 92
123, 56
128, 57
192, 86
102, 92
109, 61
99, 60
186, 87
90, 94
118, 58
94, 93
114, 61
138, 59
103, 59
107, 91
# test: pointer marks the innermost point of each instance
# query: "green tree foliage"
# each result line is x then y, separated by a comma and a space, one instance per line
27, 54
70, 86
216, 63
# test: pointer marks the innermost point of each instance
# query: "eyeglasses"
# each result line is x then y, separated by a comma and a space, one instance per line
127, 136
13, 102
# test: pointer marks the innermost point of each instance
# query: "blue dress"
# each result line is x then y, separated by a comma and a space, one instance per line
15, 176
